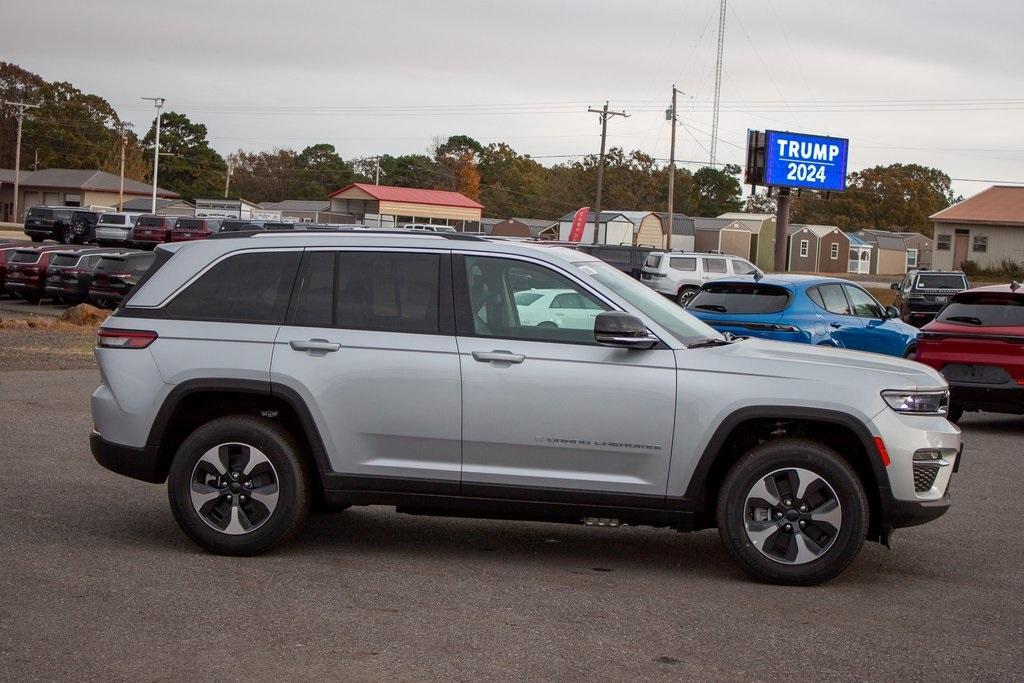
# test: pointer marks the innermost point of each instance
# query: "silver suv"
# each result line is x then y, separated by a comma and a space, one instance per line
260, 376
679, 274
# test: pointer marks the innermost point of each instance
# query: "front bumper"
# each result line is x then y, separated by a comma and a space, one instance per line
138, 463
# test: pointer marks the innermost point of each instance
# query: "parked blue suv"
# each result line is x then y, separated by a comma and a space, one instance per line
806, 309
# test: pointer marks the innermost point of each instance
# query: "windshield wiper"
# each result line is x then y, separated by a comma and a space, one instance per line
711, 341
970, 320
713, 307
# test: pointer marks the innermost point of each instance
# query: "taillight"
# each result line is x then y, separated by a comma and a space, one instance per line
124, 339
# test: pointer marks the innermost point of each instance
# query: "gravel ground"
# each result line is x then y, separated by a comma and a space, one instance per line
98, 583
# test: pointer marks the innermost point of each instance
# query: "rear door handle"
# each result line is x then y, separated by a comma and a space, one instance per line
498, 357
314, 345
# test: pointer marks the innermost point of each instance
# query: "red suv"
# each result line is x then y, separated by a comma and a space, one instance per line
151, 230
977, 343
26, 271
195, 228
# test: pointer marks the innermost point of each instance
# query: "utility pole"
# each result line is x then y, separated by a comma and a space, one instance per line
604, 114
21, 106
671, 116
158, 102
35, 163
227, 178
120, 194
781, 229
718, 80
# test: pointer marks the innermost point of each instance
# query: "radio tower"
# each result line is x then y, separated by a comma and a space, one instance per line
718, 80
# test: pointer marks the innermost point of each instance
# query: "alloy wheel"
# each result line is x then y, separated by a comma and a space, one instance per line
792, 515
234, 488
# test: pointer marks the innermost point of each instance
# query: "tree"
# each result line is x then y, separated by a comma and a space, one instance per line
325, 170
893, 197
457, 158
192, 168
718, 190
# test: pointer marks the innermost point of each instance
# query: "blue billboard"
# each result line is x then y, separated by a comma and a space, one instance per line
815, 162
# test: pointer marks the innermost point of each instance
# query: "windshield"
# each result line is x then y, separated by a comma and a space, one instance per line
740, 298
675, 320
934, 281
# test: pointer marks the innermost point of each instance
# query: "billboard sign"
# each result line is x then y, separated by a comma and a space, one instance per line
814, 162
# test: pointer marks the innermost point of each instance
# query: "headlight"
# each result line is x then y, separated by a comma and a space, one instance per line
918, 402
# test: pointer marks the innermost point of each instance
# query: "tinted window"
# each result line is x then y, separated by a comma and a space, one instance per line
24, 257
985, 310
90, 261
40, 213
620, 257
189, 223
687, 263
940, 281
864, 305
832, 299
526, 298
64, 260
715, 265
110, 264
314, 299
251, 288
494, 311
742, 298
573, 300
113, 219
141, 263
653, 260
150, 222
392, 292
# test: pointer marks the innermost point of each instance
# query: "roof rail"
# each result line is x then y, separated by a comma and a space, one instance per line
459, 236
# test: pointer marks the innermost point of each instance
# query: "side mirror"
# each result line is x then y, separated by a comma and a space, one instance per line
892, 312
622, 330
895, 286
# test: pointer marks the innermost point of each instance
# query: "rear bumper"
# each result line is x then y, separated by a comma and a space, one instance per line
137, 463
998, 398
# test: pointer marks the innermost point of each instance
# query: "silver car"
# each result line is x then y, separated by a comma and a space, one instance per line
115, 229
679, 275
260, 376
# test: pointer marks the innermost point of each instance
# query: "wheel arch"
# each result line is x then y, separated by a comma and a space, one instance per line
196, 402
746, 427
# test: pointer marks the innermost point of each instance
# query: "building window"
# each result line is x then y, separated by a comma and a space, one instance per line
980, 244
835, 251
803, 248
911, 258
943, 242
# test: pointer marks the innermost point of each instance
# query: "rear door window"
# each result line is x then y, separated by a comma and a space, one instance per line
832, 299
247, 288
391, 292
715, 265
741, 298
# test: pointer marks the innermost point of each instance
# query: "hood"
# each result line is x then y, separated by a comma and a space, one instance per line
804, 362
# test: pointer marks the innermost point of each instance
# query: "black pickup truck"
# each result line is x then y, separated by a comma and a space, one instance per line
923, 293
626, 258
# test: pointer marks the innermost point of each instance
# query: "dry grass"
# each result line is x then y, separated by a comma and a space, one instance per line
884, 296
45, 344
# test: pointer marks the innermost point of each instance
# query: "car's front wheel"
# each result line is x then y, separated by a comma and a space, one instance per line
238, 485
792, 512
685, 294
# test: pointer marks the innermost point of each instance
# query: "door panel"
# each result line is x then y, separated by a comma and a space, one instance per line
386, 404
546, 407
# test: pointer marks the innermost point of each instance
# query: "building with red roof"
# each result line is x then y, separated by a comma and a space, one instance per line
986, 229
386, 206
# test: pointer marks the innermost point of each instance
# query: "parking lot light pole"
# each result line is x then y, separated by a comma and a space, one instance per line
22, 106
158, 102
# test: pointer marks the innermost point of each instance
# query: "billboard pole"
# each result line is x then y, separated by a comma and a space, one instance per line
781, 230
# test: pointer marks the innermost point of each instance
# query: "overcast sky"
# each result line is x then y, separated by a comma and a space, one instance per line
938, 82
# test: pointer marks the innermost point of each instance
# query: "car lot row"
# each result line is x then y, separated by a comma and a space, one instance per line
98, 275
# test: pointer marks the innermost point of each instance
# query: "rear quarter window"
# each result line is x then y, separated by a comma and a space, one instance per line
247, 288
653, 260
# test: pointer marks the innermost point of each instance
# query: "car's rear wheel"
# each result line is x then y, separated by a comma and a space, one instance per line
685, 294
792, 512
238, 485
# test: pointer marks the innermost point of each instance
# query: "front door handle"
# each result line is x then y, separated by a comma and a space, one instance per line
835, 326
498, 357
314, 345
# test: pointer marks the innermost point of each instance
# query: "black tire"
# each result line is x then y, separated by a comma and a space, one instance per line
279, 447
67, 236
685, 294
822, 462
954, 413
37, 238
32, 297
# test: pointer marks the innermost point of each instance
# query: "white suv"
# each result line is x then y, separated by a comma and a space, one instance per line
680, 274
260, 376
115, 229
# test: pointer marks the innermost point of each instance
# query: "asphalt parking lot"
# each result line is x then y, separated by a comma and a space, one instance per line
98, 582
